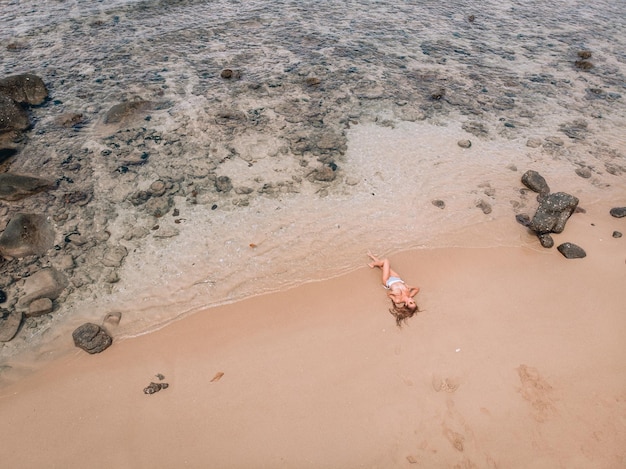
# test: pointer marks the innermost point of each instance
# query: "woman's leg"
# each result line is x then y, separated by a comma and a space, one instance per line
382, 264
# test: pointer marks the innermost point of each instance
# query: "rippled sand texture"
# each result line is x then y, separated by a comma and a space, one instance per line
335, 130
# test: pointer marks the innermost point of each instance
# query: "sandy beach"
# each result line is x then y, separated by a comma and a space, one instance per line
213, 174
517, 360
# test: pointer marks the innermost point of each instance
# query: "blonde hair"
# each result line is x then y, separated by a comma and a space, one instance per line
402, 313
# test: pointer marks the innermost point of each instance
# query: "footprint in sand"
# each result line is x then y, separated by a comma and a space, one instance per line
537, 391
445, 384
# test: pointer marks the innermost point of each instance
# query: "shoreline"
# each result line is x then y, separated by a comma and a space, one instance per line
500, 368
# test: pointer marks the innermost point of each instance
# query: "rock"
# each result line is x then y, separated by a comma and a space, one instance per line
228, 74
91, 338
26, 235
121, 111
45, 283
3, 296
484, 206
616, 234
25, 88
12, 115
583, 172
618, 212
553, 142
546, 240
535, 182
324, 174
464, 143
439, 203
523, 219
553, 212
533, 142
10, 322
155, 387
159, 206
571, 251
15, 186
113, 256
223, 184
39, 307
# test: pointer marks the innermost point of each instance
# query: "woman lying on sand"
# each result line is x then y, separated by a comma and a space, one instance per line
401, 294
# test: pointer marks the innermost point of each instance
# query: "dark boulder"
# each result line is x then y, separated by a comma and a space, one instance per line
12, 115
553, 212
91, 338
25, 88
618, 212
535, 182
571, 251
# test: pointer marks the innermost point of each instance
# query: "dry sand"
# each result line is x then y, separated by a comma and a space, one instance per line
518, 360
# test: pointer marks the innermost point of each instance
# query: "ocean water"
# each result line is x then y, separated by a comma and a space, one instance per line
334, 133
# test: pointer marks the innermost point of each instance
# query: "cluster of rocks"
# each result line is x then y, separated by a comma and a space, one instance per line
28, 237
552, 214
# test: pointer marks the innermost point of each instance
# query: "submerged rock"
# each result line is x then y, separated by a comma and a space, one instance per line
46, 283
15, 186
25, 88
535, 182
12, 115
121, 111
26, 235
91, 338
571, 251
10, 322
40, 307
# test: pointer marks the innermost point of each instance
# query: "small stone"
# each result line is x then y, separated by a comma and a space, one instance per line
3, 296
523, 219
618, 212
40, 307
223, 184
484, 206
583, 172
546, 240
313, 81
553, 141
10, 322
439, 203
324, 174
158, 188
228, 74
617, 234
533, 142
121, 111
464, 143
535, 182
91, 338
155, 387
571, 251
114, 256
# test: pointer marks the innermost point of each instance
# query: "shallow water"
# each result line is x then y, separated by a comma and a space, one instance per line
376, 94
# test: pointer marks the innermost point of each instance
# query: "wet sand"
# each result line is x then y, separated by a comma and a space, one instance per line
518, 360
